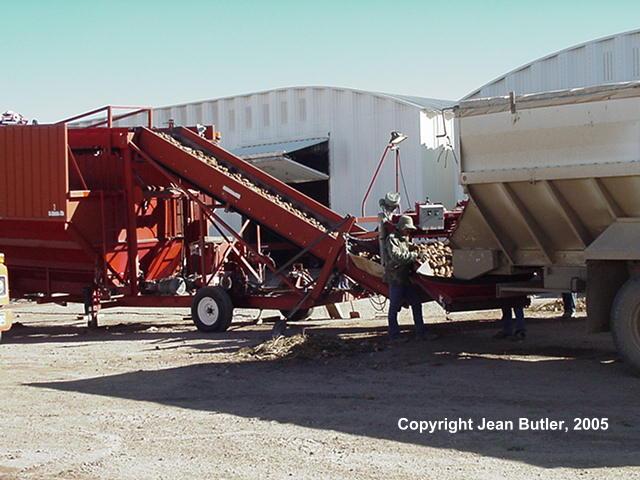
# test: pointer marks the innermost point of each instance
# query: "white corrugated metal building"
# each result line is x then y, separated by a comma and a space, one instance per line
611, 59
327, 141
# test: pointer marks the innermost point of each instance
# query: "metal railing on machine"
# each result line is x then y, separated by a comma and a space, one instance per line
110, 118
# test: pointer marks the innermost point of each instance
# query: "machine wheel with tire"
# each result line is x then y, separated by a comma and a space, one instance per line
212, 310
625, 323
301, 314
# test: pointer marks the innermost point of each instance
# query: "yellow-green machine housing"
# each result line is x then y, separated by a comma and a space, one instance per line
5, 313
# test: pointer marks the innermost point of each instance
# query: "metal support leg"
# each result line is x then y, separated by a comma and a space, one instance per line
279, 328
91, 307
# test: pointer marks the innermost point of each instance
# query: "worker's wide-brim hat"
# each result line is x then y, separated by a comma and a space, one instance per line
405, 222
390, 200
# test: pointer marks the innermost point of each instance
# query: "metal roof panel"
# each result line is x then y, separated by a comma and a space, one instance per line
276, 149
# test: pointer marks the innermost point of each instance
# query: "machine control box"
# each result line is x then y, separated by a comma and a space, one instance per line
431, 217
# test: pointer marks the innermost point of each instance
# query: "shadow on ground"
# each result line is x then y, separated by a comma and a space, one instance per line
185, 330
462, 375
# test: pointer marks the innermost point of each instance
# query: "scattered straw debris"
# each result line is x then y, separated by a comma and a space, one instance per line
308, 347
556, 306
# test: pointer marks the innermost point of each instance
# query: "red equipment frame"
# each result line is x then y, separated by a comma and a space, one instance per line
125, 209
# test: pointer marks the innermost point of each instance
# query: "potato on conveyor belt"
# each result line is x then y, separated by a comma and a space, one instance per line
438, 255
277, 199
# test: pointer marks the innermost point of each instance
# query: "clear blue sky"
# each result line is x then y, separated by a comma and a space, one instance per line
66, 56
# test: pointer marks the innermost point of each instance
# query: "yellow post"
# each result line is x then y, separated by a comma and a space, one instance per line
5, 314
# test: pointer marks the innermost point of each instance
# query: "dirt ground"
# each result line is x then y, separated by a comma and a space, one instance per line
147, 396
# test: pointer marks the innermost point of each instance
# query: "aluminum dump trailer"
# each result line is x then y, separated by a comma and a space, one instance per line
554, 186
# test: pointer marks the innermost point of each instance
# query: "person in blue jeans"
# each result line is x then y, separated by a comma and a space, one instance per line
507, 331
569, 304
399, 259
398, 294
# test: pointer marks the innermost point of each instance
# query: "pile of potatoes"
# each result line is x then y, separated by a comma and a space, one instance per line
437, 254
439, 257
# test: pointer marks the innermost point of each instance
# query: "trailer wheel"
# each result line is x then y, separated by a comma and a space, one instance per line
212, 310
625, 323
301, 314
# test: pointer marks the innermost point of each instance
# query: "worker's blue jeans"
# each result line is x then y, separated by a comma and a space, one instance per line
507, 320
569, 303
398, 294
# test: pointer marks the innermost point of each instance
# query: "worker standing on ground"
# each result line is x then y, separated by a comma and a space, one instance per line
400, 258
569, 304
507, 331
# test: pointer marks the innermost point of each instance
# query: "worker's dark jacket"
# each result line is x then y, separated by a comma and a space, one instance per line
399, 259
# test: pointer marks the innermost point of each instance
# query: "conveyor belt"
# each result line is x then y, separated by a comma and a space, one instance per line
232, 172
246, 189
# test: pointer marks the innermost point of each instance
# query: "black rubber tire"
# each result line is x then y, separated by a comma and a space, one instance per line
301, 314
625, 323
212, 310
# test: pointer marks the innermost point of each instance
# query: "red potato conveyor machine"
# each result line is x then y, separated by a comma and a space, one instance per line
111, 216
